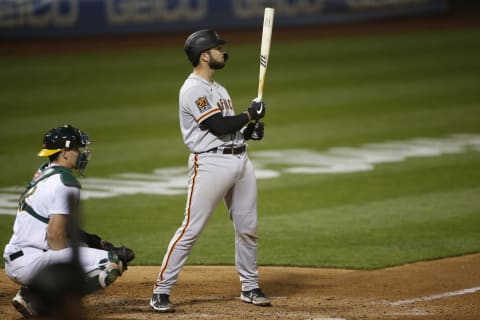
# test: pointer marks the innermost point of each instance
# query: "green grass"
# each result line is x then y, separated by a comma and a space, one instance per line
320, 94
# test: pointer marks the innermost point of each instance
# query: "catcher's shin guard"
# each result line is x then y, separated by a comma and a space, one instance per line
108, 271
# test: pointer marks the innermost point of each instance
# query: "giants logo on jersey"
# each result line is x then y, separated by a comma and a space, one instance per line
202, 104
224, 104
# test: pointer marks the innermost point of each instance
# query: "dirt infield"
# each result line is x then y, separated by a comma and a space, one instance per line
441, 289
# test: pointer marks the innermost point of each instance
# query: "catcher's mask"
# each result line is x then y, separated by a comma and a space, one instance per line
66, 138
200, 41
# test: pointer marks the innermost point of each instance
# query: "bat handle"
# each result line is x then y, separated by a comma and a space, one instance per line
258, 99
254, 134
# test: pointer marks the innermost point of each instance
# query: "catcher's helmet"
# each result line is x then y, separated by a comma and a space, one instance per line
200, 41
66, 137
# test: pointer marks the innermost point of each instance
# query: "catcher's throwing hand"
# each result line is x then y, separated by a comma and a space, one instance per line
254, 131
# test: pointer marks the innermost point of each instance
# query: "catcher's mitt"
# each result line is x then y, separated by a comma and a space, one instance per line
93, 241
123, 253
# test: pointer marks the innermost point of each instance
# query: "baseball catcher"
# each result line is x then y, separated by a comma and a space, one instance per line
42, 234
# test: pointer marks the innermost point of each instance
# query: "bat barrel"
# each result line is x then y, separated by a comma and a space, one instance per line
265, 48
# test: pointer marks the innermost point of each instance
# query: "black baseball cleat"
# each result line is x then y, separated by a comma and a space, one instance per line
255, 297
161, 303
22, 303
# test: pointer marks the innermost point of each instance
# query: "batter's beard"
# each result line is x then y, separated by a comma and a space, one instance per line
216, 65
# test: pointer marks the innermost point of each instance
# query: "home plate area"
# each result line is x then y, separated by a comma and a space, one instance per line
440, 289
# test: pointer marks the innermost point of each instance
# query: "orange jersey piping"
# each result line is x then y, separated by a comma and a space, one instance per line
208, 114
195, 165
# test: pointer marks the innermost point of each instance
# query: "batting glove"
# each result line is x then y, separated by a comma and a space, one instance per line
254, 131
256, 110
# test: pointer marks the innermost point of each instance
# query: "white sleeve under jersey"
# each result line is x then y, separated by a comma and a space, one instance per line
198, 100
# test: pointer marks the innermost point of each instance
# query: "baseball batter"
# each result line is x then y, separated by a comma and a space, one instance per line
219, 168
40, 236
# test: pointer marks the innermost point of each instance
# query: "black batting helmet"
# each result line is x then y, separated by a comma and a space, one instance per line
200, 41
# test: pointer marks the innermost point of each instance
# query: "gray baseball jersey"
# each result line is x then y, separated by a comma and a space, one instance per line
199, 100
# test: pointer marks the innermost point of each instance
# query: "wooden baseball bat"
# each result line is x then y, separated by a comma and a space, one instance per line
265, 49
264, 55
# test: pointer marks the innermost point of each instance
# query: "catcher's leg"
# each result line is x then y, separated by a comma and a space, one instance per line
102, 267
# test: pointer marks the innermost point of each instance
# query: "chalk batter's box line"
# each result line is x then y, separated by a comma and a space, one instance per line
435, 296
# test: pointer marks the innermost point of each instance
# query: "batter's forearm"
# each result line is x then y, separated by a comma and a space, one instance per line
220, 125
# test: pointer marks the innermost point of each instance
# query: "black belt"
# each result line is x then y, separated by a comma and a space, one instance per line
16, 255
225, 150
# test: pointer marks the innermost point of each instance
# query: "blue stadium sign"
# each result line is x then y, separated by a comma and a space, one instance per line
70, 18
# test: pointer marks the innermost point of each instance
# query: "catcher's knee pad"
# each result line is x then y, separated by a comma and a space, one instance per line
107, 272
